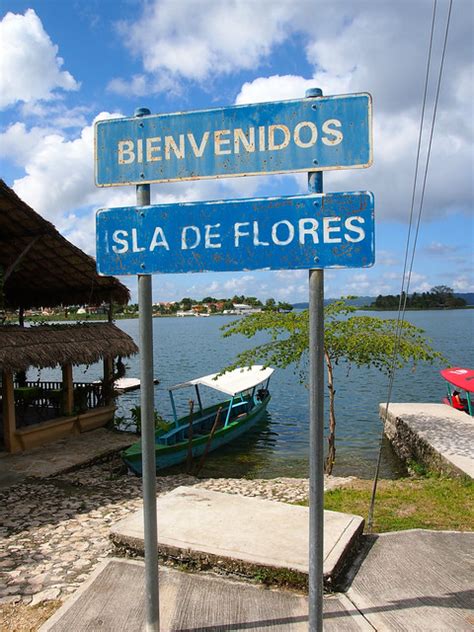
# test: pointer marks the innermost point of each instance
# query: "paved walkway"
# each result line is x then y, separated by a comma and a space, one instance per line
434, 434
410, 581
114, 600
417, 581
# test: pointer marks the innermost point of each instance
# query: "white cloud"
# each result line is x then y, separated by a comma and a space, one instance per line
58, 115
18, 144
144, 84
386, 258
359, 284
222, 285
30, 68
200, 39
80, 231
463, 284
59, 170
436, 249
137, 85
238, 284
274, 88
291, 275
418, 282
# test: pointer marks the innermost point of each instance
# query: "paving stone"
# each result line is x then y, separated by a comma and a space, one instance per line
10, 600
45, 595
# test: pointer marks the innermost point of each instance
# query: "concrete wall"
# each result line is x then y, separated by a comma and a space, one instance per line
434, 435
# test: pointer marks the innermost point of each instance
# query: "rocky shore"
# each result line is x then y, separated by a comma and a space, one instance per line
54, 531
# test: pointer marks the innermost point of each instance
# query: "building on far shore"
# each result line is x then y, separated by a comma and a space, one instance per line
182, 313
242, 309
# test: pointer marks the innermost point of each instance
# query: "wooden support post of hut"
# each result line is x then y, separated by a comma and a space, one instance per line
40, 412
108, 383
8, 413
68, 390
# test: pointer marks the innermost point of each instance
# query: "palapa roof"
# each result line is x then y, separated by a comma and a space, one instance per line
52, 270
49, 345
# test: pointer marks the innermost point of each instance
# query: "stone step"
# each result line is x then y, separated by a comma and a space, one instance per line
216, 531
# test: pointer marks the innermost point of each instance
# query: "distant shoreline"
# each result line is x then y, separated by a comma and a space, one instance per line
414, 309
363, 308
102, 317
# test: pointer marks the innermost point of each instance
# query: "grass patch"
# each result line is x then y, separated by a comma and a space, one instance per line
409, 503
281, 577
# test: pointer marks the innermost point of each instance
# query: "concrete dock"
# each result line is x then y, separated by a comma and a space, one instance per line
435, 435
239, 534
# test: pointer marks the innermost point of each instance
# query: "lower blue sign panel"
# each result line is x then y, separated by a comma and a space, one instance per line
332, 230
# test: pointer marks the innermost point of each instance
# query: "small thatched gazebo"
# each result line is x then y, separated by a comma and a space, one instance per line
40, 268
50, 410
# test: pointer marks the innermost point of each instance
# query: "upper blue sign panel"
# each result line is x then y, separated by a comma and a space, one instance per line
332, 230
310, 134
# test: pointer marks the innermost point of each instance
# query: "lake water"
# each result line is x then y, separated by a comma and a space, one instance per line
185, 348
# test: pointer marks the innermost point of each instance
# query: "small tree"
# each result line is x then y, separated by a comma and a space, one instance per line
253, 301
270, 305
357, 340
284, 307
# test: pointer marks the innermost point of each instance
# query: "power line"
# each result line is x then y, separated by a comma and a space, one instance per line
404, 291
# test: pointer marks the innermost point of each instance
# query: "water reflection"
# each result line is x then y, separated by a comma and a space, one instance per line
245, 457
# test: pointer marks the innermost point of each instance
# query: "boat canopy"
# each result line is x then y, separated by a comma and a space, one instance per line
461, 378
232, 382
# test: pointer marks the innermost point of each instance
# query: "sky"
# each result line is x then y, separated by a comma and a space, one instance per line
65, 64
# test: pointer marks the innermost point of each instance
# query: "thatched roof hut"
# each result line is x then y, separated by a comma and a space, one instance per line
42, 268
49, 345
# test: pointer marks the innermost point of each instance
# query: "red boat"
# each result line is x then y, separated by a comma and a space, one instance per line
460, 383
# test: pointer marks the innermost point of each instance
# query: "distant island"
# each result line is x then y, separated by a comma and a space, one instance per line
435, 299
439, 297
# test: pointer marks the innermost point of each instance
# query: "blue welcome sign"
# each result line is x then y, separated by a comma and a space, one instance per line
308, 134
333, 230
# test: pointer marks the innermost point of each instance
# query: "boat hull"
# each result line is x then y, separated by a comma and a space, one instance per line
169, 455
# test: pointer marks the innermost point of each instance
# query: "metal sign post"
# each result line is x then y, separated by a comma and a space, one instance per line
316, 427
150, 531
